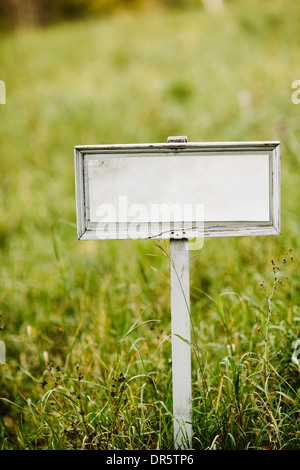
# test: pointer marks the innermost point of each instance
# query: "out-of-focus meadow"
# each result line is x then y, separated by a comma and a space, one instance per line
87, 324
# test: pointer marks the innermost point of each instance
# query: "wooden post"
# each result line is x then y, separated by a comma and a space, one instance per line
181, 335
181, 349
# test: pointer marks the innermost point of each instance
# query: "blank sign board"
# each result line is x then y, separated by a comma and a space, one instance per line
182, 190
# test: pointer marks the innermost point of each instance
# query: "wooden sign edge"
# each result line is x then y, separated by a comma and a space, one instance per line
221, 229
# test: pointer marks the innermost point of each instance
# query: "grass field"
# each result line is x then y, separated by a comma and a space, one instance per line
87, 324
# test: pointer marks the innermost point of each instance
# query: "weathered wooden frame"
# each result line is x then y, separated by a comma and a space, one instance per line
87, 230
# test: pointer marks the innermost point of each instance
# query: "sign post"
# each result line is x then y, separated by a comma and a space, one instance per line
181, 349
178, 191
181, 336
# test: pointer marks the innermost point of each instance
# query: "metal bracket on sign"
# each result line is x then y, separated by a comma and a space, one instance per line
177, 234
179, 139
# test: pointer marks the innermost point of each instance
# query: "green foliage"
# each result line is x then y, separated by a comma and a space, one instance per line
87, 324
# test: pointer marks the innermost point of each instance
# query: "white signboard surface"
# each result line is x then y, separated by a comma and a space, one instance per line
184, 189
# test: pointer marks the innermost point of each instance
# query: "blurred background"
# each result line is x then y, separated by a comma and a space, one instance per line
130, 71
41, 12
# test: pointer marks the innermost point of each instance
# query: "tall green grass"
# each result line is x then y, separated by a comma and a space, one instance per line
87, 324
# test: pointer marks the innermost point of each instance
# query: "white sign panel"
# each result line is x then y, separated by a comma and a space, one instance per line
182, 190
